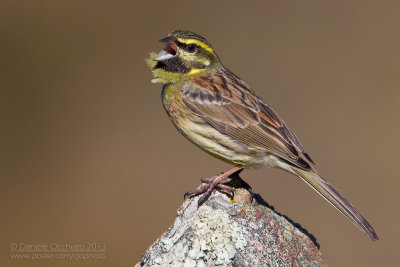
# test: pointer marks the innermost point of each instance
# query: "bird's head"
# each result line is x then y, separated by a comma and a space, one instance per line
185, 55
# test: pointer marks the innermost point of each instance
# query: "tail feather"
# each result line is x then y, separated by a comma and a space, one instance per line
337, 200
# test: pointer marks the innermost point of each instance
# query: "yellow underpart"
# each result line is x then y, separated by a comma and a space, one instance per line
197, 42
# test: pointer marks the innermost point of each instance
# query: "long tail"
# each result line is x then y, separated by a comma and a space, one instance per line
337, 200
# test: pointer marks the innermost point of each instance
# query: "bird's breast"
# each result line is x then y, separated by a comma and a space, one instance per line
173, 104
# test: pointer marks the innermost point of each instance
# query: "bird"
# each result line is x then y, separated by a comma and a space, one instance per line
219, 112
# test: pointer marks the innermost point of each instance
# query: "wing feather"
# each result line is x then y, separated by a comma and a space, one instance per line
230, 106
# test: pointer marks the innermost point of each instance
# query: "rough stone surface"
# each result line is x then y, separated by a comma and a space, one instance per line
244, 231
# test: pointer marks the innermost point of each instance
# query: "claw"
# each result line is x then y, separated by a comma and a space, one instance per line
212, 183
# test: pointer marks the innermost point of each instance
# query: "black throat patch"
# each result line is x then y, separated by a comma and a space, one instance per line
174, 65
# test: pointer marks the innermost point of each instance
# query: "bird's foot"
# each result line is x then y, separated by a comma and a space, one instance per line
215, 182
206, 190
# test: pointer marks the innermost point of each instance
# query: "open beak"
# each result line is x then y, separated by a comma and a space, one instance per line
169, 51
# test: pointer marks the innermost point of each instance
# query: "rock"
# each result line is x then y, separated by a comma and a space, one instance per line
244, 231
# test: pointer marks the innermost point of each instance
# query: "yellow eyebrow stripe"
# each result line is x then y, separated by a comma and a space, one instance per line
197, 42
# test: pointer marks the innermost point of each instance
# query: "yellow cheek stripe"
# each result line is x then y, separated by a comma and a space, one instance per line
195, 71
197, 42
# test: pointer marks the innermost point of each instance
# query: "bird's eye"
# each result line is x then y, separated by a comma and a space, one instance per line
191, 48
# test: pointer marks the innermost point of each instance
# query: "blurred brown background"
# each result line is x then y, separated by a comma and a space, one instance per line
88, 154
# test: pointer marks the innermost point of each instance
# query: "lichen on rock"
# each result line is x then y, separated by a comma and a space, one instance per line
243, 232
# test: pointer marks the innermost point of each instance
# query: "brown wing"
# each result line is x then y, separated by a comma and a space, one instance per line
229, 105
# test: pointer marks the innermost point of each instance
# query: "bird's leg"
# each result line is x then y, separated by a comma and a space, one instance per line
215, 182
